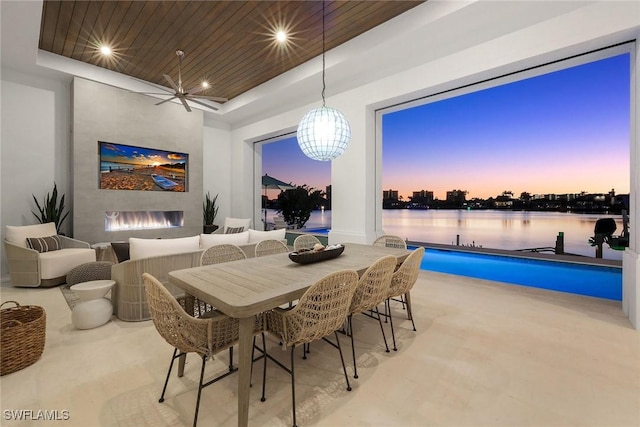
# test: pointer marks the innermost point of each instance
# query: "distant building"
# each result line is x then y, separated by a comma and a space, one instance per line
390, 194
424, 196
456, 196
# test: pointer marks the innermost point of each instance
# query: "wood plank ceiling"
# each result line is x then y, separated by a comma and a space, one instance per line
228, 43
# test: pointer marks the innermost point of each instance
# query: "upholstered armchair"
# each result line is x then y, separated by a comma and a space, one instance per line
37, 256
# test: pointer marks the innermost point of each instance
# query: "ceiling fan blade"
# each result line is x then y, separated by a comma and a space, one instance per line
171, 82
196, 89
184, 102
203, 104
210, 98
151, 93
166, 100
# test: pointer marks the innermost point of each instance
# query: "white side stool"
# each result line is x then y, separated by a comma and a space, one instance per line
94, 309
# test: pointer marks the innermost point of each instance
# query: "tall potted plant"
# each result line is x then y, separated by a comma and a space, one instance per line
51, 210
209, 213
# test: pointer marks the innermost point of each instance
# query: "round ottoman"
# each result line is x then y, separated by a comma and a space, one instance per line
94, 309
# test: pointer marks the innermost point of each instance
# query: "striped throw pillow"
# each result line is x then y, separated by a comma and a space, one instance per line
234, 230
44, 244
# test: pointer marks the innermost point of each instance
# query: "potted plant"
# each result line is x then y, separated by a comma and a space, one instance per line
51, 210
209, 212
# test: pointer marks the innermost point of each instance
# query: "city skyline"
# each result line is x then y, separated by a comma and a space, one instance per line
558, 133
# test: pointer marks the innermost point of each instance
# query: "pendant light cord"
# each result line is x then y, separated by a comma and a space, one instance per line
323, 63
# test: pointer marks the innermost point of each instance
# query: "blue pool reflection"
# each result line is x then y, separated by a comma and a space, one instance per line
590, 280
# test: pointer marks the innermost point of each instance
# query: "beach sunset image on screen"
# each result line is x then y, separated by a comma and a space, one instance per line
128, 167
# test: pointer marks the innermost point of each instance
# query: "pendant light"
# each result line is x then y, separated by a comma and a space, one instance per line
324, 132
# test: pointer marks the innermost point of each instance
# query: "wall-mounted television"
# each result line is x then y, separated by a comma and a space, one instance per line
129, 167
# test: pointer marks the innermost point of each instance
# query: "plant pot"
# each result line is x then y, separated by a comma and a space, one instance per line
209, 228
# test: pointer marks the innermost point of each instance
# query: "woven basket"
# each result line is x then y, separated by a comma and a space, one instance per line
22, 336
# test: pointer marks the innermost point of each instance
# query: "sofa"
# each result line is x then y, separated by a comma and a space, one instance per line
38, 257
158, 257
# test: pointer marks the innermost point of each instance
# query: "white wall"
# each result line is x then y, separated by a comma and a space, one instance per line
216, 156
355, 183
34, 147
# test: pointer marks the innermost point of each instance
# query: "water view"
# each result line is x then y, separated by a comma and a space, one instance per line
496, 229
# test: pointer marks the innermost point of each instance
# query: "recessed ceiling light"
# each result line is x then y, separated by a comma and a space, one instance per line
281, 36
205, 84
105, 50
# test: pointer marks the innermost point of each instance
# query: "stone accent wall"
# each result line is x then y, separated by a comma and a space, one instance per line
104, 113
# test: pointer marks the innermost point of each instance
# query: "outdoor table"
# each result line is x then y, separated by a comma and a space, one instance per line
244, 288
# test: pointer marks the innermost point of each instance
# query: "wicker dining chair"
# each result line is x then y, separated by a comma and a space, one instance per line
322, 310
372, 290
401, 283
390, 241
270, 247
207, 335
305, 241
222, 253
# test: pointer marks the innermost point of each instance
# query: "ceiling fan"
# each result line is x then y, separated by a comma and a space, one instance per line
180, 93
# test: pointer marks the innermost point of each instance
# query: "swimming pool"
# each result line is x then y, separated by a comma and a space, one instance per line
591, 280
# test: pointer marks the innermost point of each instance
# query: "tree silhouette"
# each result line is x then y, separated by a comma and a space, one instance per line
295, 205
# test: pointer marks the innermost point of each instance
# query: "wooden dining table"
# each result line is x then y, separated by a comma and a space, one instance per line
242, 289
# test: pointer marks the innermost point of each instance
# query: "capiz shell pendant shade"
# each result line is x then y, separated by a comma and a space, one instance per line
323, 134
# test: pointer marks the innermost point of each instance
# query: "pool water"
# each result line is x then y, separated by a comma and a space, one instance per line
590, 280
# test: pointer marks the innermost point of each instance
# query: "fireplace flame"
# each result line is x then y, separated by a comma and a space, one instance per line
142, 220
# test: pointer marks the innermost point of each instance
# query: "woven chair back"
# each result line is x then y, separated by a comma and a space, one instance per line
374, 285
407, 275
321, 310
390, 241
270, 247
186, 333
305, 241
222, 253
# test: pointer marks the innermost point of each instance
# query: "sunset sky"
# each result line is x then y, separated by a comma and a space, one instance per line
119, 153
563, 132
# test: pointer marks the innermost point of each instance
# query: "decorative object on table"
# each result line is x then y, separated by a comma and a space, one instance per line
94, 309
22, 336
51, 210
209, 213
317, 254
323, 133
305, 241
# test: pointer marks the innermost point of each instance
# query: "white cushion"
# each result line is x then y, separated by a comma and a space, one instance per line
18, 234
236, 222
256, 236
208, 240
58, 263
147, 248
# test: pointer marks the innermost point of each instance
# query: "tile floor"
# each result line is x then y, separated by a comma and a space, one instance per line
485, 354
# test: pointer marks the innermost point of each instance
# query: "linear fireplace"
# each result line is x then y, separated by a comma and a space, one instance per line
142, 220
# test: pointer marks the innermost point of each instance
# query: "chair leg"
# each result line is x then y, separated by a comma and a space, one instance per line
231, 359
200, 387
353, 348
344, 368
409, 312
384, 337
393, 335
264, 370
293, 385
173, 358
